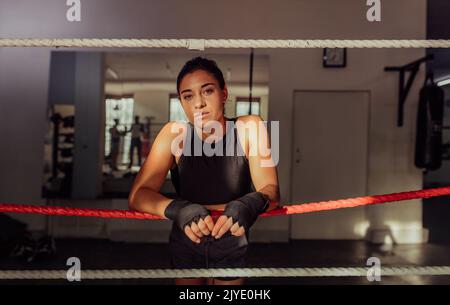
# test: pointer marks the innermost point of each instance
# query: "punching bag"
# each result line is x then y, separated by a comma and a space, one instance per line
430, 115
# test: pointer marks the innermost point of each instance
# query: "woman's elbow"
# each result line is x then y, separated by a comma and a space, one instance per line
276, 197
132, 200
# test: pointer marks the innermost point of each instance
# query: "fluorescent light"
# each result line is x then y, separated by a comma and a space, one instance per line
444, 82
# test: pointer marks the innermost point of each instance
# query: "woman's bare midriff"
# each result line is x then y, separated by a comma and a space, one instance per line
215, 207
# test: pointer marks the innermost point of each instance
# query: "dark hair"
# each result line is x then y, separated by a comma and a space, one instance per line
201, 63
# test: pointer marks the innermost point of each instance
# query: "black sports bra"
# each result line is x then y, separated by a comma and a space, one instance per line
212, 179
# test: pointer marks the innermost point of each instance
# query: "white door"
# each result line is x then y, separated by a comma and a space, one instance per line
330, 153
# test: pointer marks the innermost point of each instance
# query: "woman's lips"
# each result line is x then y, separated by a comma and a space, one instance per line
201, 114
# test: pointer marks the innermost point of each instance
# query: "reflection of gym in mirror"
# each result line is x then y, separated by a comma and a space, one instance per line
116, 123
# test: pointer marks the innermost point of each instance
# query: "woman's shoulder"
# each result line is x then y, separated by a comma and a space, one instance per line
248, 118
168, 136
247, 127
172, 129
248, 122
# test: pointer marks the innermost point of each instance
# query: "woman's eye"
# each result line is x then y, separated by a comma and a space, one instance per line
187, 97
208, 91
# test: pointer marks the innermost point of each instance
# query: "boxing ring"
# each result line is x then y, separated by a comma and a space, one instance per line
200, 45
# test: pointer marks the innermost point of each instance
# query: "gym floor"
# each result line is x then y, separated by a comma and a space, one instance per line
105, 254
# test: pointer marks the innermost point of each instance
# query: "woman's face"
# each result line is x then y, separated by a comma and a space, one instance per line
201, 97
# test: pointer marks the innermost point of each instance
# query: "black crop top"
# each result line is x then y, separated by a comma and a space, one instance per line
212, 179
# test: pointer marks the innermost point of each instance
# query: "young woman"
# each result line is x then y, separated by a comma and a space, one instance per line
236, 183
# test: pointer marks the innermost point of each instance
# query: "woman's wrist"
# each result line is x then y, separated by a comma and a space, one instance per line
172, 209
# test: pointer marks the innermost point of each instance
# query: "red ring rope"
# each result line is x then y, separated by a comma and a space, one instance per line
285, 210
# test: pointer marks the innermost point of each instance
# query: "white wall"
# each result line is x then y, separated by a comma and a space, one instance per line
152, 103
390, 161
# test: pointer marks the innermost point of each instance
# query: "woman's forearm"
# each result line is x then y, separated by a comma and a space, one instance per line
273, 193
149, 201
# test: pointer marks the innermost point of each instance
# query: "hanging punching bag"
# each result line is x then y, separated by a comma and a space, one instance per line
429, 126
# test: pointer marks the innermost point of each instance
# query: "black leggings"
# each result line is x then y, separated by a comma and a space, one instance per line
229, 251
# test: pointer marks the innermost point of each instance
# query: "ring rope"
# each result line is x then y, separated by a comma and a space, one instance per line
201, 44
285, 210
224, 272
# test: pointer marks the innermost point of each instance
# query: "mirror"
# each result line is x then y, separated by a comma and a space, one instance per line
106, 108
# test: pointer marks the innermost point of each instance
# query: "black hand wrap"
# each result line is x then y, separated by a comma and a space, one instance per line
184, 212
246, 209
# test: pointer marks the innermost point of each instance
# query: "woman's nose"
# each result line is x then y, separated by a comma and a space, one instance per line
199, 102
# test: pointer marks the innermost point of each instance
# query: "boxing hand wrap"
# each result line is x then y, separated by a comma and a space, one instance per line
184, 212
246, 209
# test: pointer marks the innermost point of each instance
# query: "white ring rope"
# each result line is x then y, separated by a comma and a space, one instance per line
201, 44
224, 272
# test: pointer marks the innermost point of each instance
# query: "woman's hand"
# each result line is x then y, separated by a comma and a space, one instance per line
193, 218
240, 214
225, 223
197, 230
